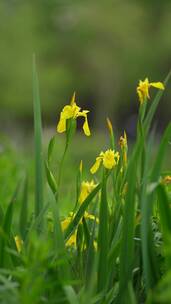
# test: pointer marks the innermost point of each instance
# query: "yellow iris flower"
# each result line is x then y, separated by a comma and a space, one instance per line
72, 111
65, 223
123, 141
143, 89
166, 180
18, 242
110, 159
86, 189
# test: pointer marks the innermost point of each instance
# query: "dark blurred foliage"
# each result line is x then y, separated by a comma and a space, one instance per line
98, 48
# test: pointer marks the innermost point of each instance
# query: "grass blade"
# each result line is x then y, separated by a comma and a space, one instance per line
23, 211
164, 209
127, 243
6, 227
38, 144
103, 239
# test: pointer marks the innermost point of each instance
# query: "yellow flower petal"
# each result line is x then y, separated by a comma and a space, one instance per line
140, 96
96, 165
86, 127
68, 112
65, 223
86, 189
61, 127
157, 85
72, 111
91, 217
123, 141
116, 157
109, 160
84, 193
95, 245
19, 243
72, 240
166, 180
143, 89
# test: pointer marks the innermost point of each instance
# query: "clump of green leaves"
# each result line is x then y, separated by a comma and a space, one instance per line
114, 246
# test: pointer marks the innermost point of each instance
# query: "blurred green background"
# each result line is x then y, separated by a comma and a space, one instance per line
98, 48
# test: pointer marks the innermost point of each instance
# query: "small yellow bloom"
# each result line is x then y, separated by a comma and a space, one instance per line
95, 245
19, 243
86, 189
110, 159
72, 111
123, 141
143, 89
72, 240
65, 223
166, 180
91, 217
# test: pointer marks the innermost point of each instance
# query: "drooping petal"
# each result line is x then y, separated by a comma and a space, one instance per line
86, 127
72, 240
19, 243
84, 193
65, 223
143, 90
140, 96
116, 157
157, 85
96, 165
61, 127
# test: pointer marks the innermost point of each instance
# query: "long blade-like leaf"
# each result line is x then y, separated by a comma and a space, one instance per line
38, 144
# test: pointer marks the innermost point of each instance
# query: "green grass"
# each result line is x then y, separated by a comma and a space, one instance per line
121, 233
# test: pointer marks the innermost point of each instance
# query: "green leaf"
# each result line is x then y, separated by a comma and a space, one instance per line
151, 271
6, 227
23, 210
164, 209
71, 295
90, 269
103, 241
38, 144
51, 179
127, 242
50, 148
86, 233
160, 154
59, 245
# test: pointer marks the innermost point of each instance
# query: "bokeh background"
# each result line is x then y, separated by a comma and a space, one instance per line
99, 48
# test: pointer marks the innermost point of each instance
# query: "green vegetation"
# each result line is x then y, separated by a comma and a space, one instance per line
105, 240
